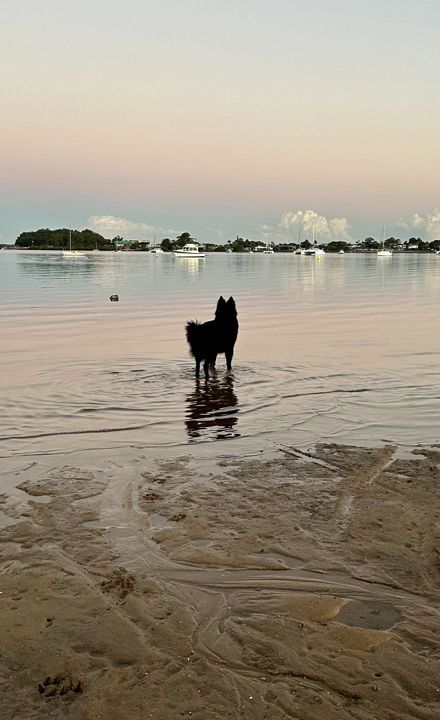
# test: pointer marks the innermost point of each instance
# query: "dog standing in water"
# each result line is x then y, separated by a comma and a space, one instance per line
215, 337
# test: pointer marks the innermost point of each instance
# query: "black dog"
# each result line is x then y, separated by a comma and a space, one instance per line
209, 339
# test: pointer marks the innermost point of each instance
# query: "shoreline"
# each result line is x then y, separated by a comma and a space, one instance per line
301, 585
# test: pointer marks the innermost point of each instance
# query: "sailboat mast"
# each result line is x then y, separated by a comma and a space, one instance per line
384, 233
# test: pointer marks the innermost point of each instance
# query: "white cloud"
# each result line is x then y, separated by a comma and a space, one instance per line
109, 226
428, 225
305, 222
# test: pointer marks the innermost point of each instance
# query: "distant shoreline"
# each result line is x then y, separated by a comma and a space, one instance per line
215, 252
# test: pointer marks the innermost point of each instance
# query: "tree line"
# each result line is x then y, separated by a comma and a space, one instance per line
45, 239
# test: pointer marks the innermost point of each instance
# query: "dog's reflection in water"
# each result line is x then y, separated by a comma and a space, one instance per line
212, 409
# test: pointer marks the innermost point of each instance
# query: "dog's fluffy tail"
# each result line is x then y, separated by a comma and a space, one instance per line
193, 333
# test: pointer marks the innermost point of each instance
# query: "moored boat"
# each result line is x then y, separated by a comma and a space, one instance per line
314, 251
384, 252
73, 253
189, 250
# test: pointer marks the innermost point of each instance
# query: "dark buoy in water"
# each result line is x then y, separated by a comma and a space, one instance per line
114, 298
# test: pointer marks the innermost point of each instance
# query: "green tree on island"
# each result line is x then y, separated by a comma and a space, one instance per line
370, 244
183, 239
167, 245
337, 245
46, 239
392, 243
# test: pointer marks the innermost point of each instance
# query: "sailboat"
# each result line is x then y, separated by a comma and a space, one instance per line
383, 252
73, 253
299, 250
156, 249
315, 251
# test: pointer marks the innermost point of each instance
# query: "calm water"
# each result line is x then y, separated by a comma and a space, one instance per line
343, 348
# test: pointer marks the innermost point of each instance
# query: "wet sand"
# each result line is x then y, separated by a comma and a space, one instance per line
302, 585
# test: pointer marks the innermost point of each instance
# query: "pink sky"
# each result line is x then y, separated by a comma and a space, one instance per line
231, 115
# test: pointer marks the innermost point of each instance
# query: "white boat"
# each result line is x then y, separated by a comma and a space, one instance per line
189, 250
383, 252
73, 253
341, 252
314, 251
156, 249
268, 250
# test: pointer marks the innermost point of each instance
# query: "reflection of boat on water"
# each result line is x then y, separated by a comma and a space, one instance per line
190, 250
190, 265
73, 253
212, 410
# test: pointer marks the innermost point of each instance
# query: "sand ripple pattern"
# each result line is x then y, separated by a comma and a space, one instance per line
237, 589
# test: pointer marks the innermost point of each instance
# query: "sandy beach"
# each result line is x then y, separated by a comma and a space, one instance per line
302, 585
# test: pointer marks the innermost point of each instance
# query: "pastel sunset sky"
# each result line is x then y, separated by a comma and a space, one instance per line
221, 117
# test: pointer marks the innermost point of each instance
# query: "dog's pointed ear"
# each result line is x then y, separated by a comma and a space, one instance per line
221, 306
230, 306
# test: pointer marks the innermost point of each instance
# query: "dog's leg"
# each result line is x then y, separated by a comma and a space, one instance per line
197, 367
206, 367
229, 355
213, 359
